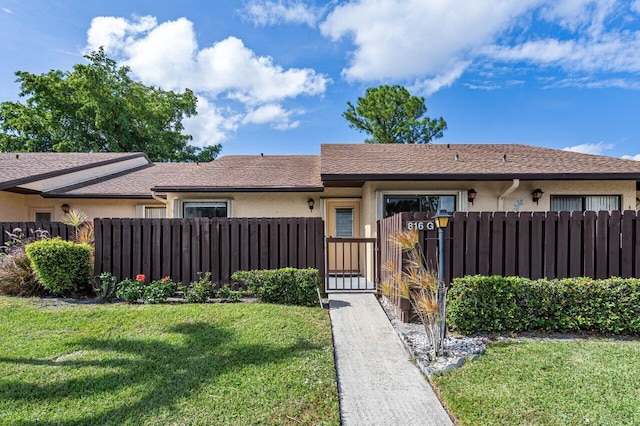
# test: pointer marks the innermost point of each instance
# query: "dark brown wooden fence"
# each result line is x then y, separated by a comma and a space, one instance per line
533, 245
180, 248
55, 229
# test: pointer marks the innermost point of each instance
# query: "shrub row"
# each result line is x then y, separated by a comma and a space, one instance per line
289, 286
512, 304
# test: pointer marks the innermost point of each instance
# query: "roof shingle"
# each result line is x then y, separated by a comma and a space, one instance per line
464, 161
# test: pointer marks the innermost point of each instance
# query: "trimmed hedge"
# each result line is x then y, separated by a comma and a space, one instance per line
512, 304
61, 266
288, 286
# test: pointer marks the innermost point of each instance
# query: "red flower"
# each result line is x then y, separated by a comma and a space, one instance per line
140, 277
165, 279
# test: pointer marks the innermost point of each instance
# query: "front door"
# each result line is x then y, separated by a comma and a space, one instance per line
343, 221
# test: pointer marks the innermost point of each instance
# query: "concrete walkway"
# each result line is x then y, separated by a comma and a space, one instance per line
377, 381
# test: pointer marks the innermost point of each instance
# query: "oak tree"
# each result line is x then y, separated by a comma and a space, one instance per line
97, 107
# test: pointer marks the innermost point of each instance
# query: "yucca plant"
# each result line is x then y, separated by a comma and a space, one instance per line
420, 284
385, 288
82, 227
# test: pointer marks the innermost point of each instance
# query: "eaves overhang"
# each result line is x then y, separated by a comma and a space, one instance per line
238, 189
344, 178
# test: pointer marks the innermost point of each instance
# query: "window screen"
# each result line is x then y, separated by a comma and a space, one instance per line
344, 223
418, 203
155, 212
569, 203
203, 209
602, 202
43, 217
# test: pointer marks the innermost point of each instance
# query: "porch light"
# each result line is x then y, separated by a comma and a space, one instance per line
311, 203
442, 219
471, 195
537, 194
65, 208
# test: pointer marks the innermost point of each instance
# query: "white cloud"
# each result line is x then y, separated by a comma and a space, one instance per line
272, 113
432, 85
167, 55
7, 11
580, 14
424, 43
591, 83
114, 33
632, 157
414, 38
590, 148
264, 13
212, 125
611, 53
230, 66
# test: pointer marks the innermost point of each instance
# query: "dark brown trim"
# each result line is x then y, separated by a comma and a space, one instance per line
49, 175
479, 176
24, 191
100, 196
238, 189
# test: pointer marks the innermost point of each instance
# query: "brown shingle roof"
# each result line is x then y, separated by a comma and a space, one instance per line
467, 161
20, 168
252, 173
338, 162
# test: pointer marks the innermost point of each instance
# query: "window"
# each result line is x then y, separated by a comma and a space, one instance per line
584, 202
155, 212
418, 203
42, 216
204, 209
344, 223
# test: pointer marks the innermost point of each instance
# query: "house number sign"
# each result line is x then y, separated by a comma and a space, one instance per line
421, 225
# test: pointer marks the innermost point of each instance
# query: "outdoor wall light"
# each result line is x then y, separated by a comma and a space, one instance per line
65, 208
442, 219
471, 195
311, 203
537, 194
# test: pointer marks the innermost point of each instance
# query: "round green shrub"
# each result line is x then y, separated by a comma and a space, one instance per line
62, 267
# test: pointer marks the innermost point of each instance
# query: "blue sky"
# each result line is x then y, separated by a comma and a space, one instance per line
274, 76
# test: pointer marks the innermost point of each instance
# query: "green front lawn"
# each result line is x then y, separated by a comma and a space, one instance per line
165, 364
547, 383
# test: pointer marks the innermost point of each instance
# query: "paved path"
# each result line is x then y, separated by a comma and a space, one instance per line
377, 381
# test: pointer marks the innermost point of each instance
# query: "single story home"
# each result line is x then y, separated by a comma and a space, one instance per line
350, 185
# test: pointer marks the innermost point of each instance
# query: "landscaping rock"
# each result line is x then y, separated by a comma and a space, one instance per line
458, 349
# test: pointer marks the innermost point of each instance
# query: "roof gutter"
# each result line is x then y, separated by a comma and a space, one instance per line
514, 185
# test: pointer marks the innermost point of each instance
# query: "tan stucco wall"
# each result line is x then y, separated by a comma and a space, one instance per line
19, 207
12, 207
488, 193
266, 204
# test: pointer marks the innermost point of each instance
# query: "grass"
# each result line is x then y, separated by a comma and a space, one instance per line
226, 364
547, 383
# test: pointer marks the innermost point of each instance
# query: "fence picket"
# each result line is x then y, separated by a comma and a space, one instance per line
180, 248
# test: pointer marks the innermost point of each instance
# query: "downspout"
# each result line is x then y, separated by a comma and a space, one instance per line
162, 200
155, 197
514, 185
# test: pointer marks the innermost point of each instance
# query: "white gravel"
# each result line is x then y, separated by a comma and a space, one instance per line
458, 349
